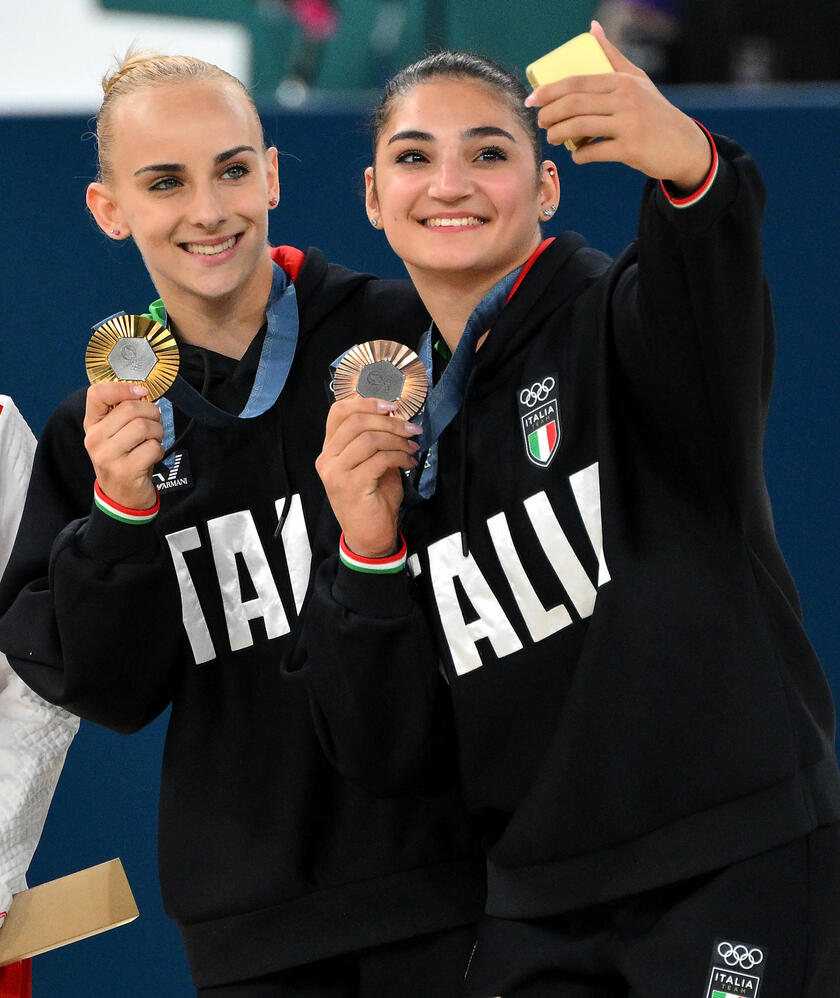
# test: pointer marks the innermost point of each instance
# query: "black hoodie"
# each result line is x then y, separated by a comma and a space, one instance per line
268, 858
635, 699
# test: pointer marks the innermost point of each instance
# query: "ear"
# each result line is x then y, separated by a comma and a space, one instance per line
272, 170
102, 205
371, 199
549, 187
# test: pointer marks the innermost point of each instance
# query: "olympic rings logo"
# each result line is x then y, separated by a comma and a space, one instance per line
538, 392
741, 956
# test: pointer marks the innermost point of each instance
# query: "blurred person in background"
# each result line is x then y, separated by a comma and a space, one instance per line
713, 41
34, 735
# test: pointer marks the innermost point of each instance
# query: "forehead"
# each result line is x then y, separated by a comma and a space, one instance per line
180, 121
451, 103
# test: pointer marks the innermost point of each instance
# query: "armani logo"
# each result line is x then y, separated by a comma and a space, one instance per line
173, 473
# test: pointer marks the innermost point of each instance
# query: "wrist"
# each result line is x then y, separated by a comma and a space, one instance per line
124, 514
389, 564
681, 192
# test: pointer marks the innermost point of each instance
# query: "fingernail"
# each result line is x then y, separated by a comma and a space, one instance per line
414, 445
383, 406
529, 101
413, 428
139, 390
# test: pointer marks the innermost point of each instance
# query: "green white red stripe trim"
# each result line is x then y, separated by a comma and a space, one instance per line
687, 202
123, 513
375, 566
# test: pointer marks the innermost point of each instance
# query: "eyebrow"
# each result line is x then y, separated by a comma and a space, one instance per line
479, 132
180, 167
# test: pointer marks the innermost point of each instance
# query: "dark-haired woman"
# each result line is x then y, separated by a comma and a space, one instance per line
643, 730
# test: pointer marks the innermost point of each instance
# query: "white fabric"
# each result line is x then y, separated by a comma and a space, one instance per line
34, 735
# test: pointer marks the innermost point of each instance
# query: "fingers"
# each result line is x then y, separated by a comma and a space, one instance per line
548, 93
620, 63
365, 448
350, 419
591, 114
123, 435
361, 448
103, 397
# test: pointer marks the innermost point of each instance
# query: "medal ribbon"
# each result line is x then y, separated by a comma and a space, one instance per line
445, 399
278, 351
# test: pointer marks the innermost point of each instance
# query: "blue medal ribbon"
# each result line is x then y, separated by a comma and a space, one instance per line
445, 399
278, 351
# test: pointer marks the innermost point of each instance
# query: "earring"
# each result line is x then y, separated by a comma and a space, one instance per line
549, 211
273, 201
115, 232
550, 172
374, 222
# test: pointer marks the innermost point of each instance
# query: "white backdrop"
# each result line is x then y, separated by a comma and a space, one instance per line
53, 53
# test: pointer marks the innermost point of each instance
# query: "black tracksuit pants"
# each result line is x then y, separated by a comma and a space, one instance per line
767, 927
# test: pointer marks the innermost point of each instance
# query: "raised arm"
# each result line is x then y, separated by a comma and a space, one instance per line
631, 121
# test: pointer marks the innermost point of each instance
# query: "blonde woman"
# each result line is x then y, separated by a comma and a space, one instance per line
166, 557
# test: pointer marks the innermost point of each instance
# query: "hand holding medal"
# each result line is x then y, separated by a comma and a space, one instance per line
366, 448
131, 361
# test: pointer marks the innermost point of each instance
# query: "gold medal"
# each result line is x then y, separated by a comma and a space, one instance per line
383, 369
133, 348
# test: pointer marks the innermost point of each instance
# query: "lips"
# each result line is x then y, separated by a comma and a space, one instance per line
210, 249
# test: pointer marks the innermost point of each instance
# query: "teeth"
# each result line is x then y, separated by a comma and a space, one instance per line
204, 250
452, 222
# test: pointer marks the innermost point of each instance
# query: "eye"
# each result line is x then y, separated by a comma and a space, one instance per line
165, 184
412, 156
236, 171
492, 154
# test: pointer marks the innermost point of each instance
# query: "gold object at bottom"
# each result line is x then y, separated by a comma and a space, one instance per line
386, 370
133, 348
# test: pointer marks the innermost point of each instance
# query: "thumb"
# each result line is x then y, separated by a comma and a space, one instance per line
620, 63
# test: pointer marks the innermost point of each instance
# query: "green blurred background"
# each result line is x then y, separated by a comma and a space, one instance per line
376, 37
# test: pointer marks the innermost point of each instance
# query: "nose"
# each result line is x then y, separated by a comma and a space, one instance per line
450, 181
206, 207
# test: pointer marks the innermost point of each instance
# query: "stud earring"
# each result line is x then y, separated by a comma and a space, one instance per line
115, 232
273, 201
374, 222
549, 211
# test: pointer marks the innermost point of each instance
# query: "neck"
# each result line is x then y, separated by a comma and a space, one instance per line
449, 305
225, 325
450, 298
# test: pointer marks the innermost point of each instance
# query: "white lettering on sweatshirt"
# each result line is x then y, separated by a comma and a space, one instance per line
447, 563
234, 538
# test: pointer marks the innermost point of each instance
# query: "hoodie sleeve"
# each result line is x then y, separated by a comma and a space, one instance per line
379, 700
693, 321
82, 595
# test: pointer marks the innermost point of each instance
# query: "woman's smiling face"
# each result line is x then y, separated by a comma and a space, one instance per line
191, 184
455, 183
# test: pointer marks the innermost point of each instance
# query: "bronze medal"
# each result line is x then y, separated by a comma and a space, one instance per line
133, 348
386, 370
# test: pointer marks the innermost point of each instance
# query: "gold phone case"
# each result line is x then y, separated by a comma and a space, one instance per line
580, 56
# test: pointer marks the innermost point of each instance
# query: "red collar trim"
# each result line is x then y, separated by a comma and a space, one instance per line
289, 258
528, 264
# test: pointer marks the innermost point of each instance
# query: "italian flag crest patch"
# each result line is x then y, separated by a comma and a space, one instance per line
539, 415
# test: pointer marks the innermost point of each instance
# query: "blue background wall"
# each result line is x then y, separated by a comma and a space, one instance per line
59, 275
